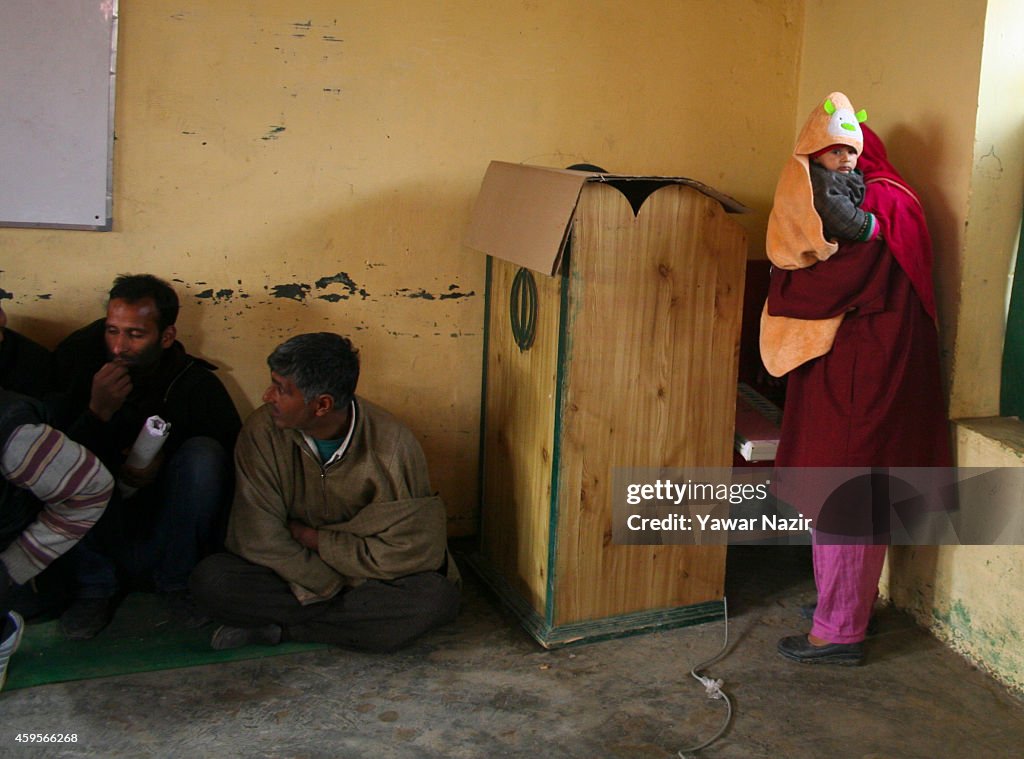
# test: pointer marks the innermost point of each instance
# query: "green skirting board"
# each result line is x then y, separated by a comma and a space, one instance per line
140, 639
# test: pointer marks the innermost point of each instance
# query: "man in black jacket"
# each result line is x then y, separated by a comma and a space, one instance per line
120, 371
25, 366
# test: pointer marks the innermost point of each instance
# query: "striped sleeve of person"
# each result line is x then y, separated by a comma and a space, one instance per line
69, 480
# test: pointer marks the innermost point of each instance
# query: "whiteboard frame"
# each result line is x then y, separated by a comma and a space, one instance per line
99, 198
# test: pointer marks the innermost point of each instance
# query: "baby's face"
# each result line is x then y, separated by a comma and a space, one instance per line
841, 158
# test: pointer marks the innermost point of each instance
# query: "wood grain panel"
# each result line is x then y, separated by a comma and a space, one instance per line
653, 315
518, 439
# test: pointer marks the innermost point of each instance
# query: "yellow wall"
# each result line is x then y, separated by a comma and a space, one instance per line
914, 67
970, 596
266, 146
994, 215
299, 165
942, 83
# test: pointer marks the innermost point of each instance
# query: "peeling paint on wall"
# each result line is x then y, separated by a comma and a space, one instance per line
220, 295
340, 286
995, 648
341, 278
452, 295
418, 294
422, 293
293, 291
957, 618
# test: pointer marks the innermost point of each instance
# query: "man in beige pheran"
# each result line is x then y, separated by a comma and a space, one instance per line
335, 535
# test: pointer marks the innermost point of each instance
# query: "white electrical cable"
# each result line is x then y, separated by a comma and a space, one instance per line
713, 689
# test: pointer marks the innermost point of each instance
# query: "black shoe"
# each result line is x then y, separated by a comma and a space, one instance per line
807, 612
799, 648
225, 636
182, 610
86, 617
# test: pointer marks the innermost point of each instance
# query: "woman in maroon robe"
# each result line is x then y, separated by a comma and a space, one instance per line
874, 400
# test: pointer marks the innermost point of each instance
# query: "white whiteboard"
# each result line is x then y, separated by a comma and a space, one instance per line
57, 112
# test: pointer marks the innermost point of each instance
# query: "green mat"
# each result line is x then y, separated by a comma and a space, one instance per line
140, 639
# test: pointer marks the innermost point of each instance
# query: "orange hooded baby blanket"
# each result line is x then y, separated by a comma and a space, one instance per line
796, 238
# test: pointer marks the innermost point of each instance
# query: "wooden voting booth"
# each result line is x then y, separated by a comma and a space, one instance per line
612, 333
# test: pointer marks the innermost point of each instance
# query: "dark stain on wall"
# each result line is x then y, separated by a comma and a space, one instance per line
295, 291
340, 287
421, 293
219, 295
299, 292
341, 278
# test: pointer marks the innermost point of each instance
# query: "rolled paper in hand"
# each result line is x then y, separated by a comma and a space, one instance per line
147, 445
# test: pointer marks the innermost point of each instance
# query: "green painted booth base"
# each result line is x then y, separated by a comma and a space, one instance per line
590, 631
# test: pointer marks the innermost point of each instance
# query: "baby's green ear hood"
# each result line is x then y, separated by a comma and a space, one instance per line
795, 238
832, 123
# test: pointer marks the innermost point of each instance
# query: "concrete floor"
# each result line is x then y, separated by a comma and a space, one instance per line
483, 688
